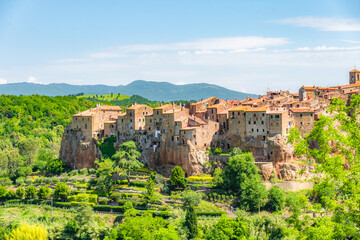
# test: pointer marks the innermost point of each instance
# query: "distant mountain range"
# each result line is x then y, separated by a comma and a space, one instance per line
155, 91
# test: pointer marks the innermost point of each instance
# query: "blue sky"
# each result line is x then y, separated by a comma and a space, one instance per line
250, 46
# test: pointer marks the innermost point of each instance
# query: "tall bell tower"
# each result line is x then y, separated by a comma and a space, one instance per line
354, 76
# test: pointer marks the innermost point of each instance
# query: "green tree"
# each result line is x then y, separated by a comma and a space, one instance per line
44, 192
241, 176
191, 198
20, 192
127, 157
218, 177
30, 192
146, 227
29, 148
61, 191
276, 198
10, 194
55, 166
177, 179
105, 184
228, 228
3, 192
150, 194
191, 222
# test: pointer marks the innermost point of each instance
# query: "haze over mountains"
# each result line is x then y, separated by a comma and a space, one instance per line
159, 91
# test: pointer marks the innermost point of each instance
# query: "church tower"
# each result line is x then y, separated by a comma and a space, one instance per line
354, 76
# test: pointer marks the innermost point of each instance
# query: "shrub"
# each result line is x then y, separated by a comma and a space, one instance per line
10, 194
276, 198
92, 170
30, 192
28, 181
93, 198
218, 151
102, 208
5, 181
177, 178
210, 213
138, 184
54, 180
118, 209
191, 198
62, 204
20, 192
71, 198
44, 192
61, 191
103, 201
115, 196
84, 171
20, 181
3, 192
128, 205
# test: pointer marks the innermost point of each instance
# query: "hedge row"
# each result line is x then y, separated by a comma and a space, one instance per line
134, 203
210, 213
138, 184
107, 208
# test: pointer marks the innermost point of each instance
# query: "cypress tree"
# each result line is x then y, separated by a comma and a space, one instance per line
191, 222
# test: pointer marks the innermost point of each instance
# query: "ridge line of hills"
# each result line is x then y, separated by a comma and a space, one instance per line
159, 91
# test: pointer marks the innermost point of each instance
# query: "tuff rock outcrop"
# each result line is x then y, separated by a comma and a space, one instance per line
77, 152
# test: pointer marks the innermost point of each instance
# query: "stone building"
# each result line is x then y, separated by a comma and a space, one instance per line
92, 122
132, 120
303, 119
354, 76
279, 122
237, 121
255, 121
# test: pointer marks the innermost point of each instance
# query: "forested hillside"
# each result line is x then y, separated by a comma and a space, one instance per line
31, 128
126, 101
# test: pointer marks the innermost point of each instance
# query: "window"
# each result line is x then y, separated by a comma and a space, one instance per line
311, 114
262, 122
263, 130
130, 120
249, 122
122, 120
277, 116
238, 122
83, 119
143, 113
301, 123
254, 114
300, 114
88, 119
254, 122
85, 126
271, 116
252, 130
263, 114
257, 130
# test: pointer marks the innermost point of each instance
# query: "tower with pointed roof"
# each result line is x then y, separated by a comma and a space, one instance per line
354, 76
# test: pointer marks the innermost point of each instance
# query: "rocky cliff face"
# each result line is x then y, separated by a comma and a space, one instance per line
76, 152
272, 154
162, 155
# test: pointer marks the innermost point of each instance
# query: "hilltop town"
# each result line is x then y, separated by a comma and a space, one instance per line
180, 135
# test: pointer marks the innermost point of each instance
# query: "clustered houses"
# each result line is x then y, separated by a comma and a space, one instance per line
200, 123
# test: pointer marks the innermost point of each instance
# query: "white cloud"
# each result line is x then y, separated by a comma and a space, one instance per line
351, 41
327, 48
201, 46
324, 24
3, 81
32, 79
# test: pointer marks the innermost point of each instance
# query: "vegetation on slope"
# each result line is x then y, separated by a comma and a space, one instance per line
31, 128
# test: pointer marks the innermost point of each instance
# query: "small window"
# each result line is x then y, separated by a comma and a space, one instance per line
249, 122
85, 126
257, 130
300, 114
252, 130
254, 114
254, 122
83, 119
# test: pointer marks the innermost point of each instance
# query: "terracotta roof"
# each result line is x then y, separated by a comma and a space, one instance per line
224, 112
350, 85
300, 110
202, 111
276, 112
136, 106
257, 109
122, 114
238, 108
309, 88
87, 113
216, 105
109, 108
295, 94
164, 106
286, 103
180, 119
354, 70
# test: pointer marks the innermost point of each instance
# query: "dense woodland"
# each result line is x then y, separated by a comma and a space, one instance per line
121, 199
